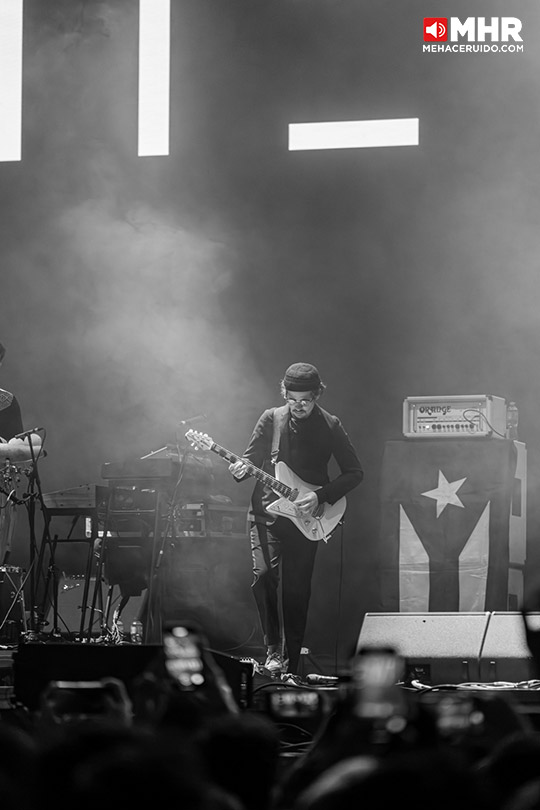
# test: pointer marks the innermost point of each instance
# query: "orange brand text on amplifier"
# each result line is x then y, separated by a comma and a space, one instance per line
467, 416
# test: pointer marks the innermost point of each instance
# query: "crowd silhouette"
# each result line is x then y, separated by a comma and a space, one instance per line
163, 742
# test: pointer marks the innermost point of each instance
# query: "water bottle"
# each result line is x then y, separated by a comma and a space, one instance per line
512, 421
136, 632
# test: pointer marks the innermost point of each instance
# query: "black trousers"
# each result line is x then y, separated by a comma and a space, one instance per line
282, 548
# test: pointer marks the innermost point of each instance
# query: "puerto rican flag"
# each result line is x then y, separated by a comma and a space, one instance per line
445, 523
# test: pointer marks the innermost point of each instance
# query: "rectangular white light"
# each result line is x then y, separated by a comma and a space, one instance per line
11, 47
354, 134
154, 76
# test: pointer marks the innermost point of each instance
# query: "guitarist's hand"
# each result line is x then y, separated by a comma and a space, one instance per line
238, 469
307, 502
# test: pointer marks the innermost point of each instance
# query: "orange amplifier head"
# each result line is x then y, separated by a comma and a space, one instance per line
462, 417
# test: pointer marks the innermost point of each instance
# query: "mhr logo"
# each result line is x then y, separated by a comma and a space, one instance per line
476, 29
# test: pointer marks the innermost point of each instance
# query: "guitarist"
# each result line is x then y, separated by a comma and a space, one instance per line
305, 437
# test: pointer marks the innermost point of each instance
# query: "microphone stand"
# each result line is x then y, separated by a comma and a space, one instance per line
152, 629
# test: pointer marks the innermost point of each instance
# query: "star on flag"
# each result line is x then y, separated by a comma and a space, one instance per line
445, 493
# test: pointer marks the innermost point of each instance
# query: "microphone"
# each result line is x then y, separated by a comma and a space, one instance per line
199, 417
27, 433
321, 680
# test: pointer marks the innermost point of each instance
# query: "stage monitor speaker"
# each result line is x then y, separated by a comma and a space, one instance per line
505, 654
437, 648
35, 665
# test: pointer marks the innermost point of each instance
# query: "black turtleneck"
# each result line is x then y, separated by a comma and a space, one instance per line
306, 446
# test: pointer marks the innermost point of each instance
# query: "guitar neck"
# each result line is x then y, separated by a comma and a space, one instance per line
254, 471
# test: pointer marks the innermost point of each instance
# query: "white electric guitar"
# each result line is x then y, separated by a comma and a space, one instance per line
315, 525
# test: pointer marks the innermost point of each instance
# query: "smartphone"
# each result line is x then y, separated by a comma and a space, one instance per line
375, 674
286, 704
182, 647
77, 699
457, 714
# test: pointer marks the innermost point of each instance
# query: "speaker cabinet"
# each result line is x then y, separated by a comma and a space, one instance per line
70, 604
208, 580
505, 654
437, 648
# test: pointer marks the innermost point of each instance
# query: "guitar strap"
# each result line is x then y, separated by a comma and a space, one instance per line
280, 414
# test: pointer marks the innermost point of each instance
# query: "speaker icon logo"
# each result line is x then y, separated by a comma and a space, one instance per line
435, 29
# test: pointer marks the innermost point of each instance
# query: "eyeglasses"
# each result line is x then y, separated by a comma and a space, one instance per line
303, 402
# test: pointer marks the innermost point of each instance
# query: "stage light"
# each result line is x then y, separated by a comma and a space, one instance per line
354, 134
154, 76
11, 39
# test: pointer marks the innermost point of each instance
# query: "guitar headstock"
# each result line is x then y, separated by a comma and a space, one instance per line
200, 440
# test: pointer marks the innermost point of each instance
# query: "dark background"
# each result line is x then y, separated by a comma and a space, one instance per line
139, 291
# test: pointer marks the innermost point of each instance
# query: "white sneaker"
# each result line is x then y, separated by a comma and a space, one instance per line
274, 664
